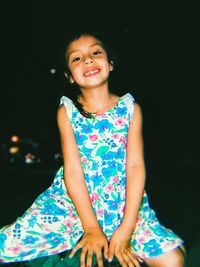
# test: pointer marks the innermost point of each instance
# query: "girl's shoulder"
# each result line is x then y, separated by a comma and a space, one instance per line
64, 100
128, 98
129, 101
135, 110
68, 104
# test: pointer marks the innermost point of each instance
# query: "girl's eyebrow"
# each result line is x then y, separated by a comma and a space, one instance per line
75, 51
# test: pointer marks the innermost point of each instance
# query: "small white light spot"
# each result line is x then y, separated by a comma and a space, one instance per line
52, 71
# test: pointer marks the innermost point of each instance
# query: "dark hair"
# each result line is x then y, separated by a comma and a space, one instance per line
72, 34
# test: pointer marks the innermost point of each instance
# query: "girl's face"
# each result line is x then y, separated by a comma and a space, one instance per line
88, 62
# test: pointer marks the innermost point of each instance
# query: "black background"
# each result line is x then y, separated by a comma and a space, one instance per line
158, 46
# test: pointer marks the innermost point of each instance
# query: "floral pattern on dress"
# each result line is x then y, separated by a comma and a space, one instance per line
51, 225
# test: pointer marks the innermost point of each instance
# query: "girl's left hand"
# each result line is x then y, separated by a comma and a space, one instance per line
121, 249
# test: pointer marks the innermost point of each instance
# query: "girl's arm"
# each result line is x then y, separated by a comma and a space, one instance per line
93, 239
135, 171
73, 172
135, 175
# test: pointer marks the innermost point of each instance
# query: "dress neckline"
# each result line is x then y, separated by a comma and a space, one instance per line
110, 109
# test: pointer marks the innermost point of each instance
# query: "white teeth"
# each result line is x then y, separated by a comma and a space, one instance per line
91, 72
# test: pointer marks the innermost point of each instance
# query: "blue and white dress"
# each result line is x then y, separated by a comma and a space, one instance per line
51, 225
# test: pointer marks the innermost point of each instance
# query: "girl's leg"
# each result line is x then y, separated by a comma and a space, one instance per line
45, 229
174, 258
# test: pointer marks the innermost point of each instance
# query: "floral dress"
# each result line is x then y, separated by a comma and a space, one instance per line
51, 225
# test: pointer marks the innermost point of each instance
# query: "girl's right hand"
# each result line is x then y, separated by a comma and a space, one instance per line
92, 242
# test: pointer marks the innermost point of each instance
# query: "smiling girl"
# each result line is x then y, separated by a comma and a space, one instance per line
97, 201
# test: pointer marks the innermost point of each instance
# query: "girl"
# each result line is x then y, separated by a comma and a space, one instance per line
97, 201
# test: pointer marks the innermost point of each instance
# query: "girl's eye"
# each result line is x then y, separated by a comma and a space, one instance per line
96, 53
76, 59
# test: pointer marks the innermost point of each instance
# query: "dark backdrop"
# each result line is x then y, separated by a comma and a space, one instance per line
158, 47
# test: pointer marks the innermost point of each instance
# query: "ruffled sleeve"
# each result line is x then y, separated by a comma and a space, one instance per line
67, 102
130, 101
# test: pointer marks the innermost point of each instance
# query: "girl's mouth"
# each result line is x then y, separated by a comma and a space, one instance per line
91, 72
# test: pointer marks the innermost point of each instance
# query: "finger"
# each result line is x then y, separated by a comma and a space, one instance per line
105, 250
99, 259
128, 260
132, 255
133, 259
82, 258
111, 252
74, 250
121, 259
89, 258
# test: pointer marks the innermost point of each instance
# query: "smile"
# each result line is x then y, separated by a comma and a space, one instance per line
91, 72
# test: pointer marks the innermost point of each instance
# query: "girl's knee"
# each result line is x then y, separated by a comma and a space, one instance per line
177, 259
174, 258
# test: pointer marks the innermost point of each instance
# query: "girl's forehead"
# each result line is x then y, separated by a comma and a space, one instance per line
83, 42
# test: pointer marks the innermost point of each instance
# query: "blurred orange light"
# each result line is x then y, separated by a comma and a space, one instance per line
14, 149
15, 138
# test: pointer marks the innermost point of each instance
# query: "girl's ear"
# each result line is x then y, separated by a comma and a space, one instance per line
111, 65
69, 77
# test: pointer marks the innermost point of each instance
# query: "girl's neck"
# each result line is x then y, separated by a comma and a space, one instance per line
97, 101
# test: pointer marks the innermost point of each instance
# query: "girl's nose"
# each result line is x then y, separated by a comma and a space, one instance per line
88, 60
